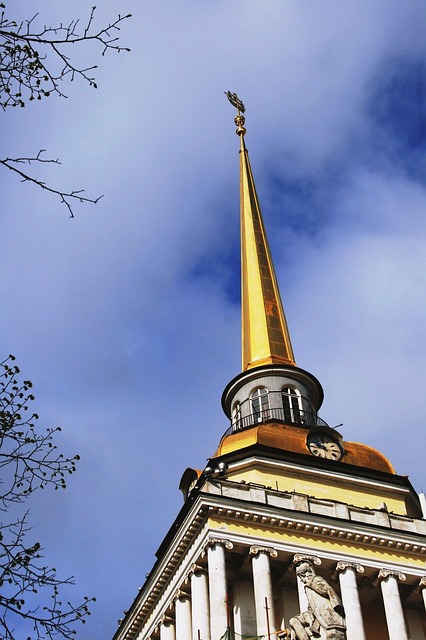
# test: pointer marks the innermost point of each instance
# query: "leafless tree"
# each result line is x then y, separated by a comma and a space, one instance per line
29, 460
35, 62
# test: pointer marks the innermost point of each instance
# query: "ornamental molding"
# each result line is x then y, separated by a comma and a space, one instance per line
270, 551
300, 557
223, 542
352, 566
179, 594
297, 522
195, 568
384, 574
163, 620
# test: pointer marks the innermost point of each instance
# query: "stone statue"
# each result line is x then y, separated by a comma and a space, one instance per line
325, 610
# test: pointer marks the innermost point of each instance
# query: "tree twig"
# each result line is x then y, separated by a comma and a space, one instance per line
65, 197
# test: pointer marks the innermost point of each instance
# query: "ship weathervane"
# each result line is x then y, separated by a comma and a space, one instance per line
235, 101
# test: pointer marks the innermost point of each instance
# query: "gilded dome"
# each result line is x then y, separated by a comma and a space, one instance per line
293, 439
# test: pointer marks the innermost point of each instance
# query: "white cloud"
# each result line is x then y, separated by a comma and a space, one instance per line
128, 350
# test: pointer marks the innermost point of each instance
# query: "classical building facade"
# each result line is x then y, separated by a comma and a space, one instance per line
283, 498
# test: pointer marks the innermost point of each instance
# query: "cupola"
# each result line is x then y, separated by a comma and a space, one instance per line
273, 403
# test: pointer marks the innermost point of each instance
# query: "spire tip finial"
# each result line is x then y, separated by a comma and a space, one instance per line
239, 118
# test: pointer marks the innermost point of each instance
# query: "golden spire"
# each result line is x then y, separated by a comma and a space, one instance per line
265, 335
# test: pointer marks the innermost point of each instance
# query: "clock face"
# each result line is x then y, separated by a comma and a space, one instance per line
322, 445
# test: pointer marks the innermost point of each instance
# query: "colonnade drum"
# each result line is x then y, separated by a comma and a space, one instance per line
232, 592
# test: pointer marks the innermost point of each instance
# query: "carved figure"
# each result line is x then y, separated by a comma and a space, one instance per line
325, 610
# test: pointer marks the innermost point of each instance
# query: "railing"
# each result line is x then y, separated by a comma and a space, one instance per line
302, 418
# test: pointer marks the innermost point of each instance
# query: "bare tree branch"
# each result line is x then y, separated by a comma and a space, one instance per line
29, 460
66, 198
34, 62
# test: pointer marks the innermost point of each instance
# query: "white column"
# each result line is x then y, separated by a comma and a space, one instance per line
183, 617
422, 586
167, 631
350, 598
298, 558
392, 602
303, 600
244, 611
263, 596
200, 605
218, 590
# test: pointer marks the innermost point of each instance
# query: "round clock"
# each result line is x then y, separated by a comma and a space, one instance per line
323, 445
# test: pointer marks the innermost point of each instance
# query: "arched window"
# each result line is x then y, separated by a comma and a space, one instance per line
260, 403
236, 416
292, 404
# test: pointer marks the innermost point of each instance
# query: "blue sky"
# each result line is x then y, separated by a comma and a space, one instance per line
126, 318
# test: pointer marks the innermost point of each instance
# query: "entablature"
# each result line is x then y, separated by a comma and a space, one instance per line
300, 502
259, 509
